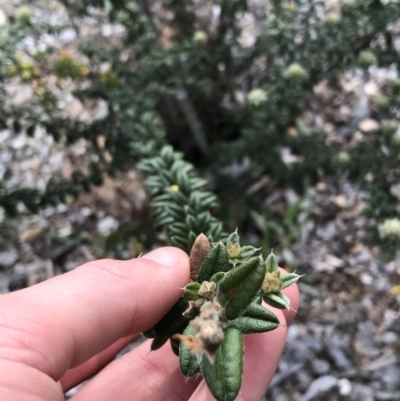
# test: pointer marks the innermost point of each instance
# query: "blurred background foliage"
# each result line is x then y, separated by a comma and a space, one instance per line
187, 73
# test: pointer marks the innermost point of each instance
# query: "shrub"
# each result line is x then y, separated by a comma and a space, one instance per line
184, 80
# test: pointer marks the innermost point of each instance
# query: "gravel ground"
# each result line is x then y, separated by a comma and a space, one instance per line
345, 342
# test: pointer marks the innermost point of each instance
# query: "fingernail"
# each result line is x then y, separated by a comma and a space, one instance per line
162, 256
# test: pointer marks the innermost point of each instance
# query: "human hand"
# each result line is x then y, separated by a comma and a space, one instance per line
58, 333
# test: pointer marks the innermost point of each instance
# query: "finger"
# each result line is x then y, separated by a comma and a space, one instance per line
82, 372
62, 322
261, 358
140, 375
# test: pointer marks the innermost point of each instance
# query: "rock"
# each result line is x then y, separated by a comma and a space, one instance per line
67, 35
30, 234
288, 256
366, 279
389, 338
320, 367
340, 200
17, 281
66, 230
362, 393
371, 88
319, 388
388, 375
344, 387
338, 357
329, 263
26, 275
364, 340
4, 283
368, 125
107, 225
55, 249
327, 232
8, 258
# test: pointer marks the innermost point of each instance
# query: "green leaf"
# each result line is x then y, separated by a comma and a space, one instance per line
277, 300
158, 342
288, 279
216, 261
239, 287
217, 277
256, 319
187, 360
173, 322
192, 291
224, 376
179, 242
271, 263
247, 251
233, 238
175, 345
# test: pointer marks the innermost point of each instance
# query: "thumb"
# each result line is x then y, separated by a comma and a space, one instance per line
73, 317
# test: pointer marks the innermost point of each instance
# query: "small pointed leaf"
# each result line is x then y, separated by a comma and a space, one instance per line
192, 291
272, 263
233, 238
288, 279
217, 277
247, 251
277, 300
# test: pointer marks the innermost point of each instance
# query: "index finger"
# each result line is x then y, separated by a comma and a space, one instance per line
64, 321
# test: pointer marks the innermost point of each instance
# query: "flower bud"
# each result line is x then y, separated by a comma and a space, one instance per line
332, 18
200, 37
296, 72
366, 59
23, 14
342, 158
390, 228
257, 97
272, 282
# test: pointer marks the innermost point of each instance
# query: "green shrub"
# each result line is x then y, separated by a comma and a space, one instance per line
203, 87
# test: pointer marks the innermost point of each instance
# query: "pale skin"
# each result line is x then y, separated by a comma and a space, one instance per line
56, 334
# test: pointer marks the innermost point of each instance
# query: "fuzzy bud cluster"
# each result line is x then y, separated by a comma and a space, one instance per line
207, 324
366, 59
295, 72
272, 282
390, 228
256, 97
332, 18
342, 158
200, 37
23, 14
